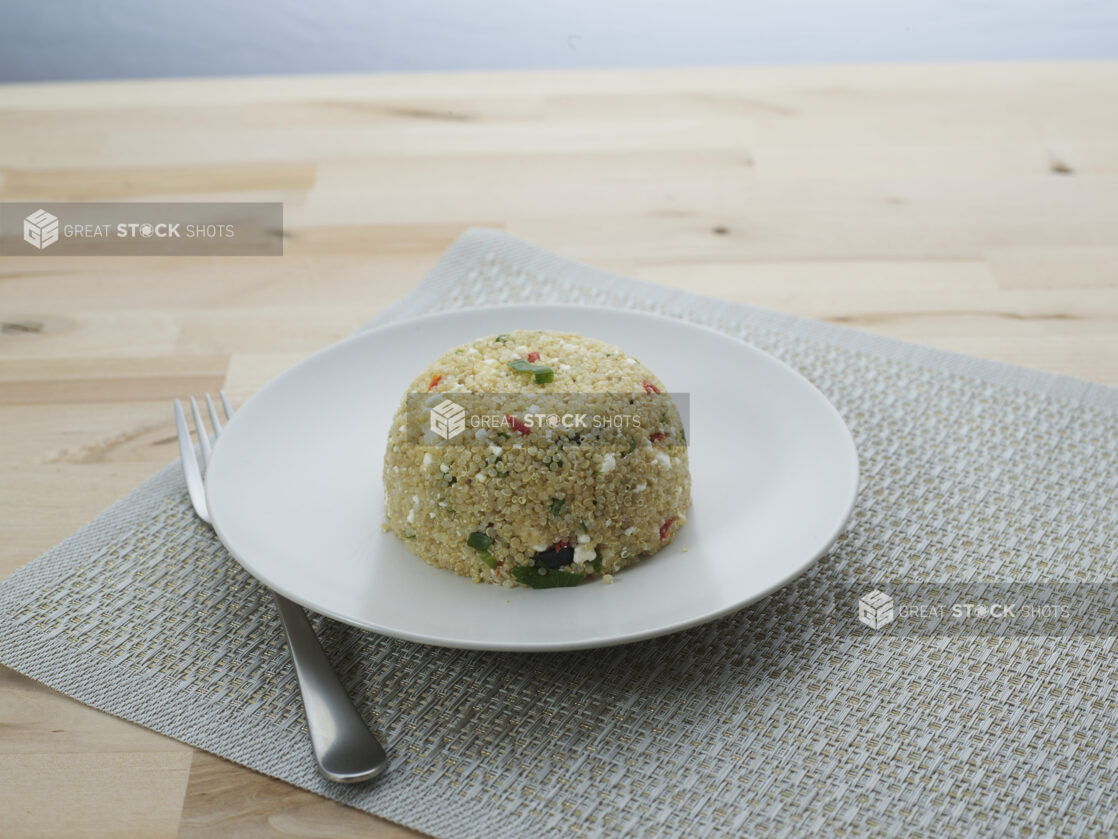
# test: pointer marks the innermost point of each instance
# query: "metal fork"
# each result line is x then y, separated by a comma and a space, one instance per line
345, 749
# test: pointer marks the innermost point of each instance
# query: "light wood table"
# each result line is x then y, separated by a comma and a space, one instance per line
973, 208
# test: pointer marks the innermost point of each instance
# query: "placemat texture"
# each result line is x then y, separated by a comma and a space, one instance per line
768, 722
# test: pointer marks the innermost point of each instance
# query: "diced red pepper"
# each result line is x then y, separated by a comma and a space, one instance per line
650, 388
562, 545
657, 436
533, 356
665, 527
518, 425
434, 381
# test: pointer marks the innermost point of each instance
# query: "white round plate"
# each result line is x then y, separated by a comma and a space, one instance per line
294, 488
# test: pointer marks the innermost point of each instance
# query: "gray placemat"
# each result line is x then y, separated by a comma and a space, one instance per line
786, 718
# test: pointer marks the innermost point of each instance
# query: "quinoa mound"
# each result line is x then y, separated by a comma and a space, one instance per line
570, 461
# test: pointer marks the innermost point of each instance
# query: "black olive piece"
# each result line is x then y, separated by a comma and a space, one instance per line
554, 558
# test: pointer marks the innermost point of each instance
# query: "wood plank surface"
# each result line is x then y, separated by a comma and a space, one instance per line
968, 207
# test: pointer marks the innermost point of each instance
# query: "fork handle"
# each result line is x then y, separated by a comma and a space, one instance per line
344, 747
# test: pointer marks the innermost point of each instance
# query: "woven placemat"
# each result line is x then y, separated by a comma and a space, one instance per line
781, 719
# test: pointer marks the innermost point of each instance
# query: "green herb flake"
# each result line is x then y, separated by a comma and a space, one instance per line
479, 541
545, 578
500, 339
557, 505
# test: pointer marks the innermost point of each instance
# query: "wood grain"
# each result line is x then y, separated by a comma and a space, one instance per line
968, 207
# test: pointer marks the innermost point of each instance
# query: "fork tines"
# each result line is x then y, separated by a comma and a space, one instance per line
192, 469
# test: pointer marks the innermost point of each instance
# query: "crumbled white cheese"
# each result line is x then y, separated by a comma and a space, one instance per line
480, 477
444, 468
641, 487
583, 538
495, 449
629, 531
584, 554
664, 459
411, 516
427, 459
609, 463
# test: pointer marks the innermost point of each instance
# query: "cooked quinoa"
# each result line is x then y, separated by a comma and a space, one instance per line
522, 499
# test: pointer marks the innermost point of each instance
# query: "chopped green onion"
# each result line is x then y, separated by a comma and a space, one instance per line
545, 578
543, 373
480, 542
596, 562
500, 339
557, 505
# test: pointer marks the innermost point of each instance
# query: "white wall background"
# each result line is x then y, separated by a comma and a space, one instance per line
78, 39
